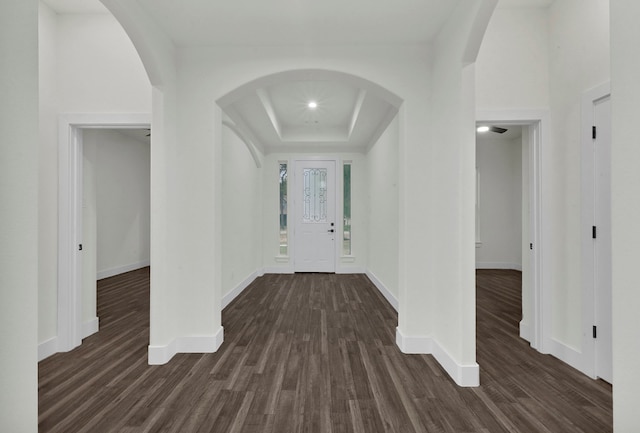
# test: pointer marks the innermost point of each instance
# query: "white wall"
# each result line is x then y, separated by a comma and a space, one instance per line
48, 176
382, 191
241, 215
512, 69
578, 61
88, 65
625, 90
545, 59
19, 216
499, 164
98, 69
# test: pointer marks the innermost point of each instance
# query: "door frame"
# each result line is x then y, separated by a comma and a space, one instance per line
589, 99
338, 206
70, 161
539, 332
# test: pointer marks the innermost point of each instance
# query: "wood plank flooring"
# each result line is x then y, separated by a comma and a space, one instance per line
311, 353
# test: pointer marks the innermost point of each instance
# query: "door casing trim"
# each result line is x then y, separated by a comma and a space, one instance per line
70, 156
539, 334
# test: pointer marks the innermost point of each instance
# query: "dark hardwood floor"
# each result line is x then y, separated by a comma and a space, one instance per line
312, 353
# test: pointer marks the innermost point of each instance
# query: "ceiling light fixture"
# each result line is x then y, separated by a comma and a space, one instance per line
482, 129
312, 104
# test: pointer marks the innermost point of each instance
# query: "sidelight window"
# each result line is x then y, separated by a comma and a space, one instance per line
346, 210
284, 241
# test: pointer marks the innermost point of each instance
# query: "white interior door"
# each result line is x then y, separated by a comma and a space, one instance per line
315, 210
602, 239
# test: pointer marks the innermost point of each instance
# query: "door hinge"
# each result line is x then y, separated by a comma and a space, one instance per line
531, 246
79, 247
593, 232
593, 132
595, 333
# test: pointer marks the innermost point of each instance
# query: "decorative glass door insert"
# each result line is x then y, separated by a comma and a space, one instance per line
315, 195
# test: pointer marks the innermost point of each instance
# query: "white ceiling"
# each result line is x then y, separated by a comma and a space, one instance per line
76, 6
299, 22
277, 117
95, 6
525, 3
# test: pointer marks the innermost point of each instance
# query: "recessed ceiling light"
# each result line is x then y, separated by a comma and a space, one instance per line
482, 129
312, 104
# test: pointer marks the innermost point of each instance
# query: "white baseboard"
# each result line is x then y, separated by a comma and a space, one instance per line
122, 269
50, 346
526, 332
159, 355
350, 270
499, 265
47, 348
383, 289
226, 299
570, 356
278, 270
90, 327
289, 270
413, 344
463, 375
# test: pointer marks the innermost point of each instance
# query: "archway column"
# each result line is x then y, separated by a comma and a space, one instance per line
185, 314
185, 224
437, 244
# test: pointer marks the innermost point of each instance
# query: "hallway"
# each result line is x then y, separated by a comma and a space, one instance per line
312, 353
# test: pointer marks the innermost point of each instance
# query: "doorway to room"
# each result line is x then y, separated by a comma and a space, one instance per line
115, 210
501, 230
116, 180
527, 200
71, 324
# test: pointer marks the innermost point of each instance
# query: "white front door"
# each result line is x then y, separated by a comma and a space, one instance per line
315, 229
602, 239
